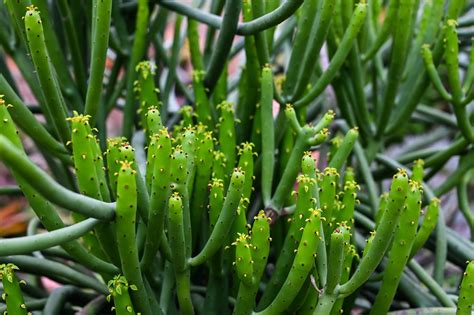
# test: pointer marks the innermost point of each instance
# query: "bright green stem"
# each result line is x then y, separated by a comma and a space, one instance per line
327, 198
268, 133
193, 37
203, 105
346, 211
204, 156
178, 251
384, 232
146, 91
91, 179
339, 240
227, 136
179, 172
12, 293
302, 265
344, 149
260, 248
43, 209
306, 136
56, 107
102, 10
429, 223
119, 288
243, 259
27, 122
226, 218
433, 73
349, 254
417, 171
286, 256
113, 161
126, 217
451, 54
158, 196
400, 251
466, 292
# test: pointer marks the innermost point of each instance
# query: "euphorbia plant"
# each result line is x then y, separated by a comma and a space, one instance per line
244, 191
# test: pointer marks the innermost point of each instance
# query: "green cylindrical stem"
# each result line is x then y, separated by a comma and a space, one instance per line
344, 150
49, 188
327, 198
400, 251
346, 211
118, 288
349, 254
27, 122
417, 171
384, 232
429, 223
102, 10
305, 24
268, 133
176, 232
126, 217
113, 161
178, 177
243, 259
153, 122
138, 50
384, 32
304, 135
302, 265
91, 180
340, 239
158, 196
56, 106
315, 41
12, 295
178, 251
286, 256
193, 37
451, 53
433, 73
147, 92
227, 136
466, 291
260, 248
226, 218
203, 106
204, 155
400, 47
339, 57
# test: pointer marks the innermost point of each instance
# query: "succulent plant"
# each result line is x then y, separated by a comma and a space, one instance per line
247, 191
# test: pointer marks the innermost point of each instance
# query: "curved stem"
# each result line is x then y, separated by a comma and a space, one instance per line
54, 270
223, 43
249, 28
100, 42
28, 244
53, 191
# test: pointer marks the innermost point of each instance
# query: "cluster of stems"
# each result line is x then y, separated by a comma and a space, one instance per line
255, 198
